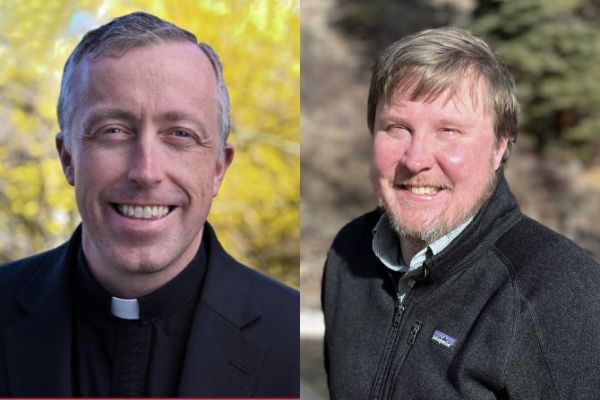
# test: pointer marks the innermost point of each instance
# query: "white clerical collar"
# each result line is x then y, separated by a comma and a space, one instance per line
125, 308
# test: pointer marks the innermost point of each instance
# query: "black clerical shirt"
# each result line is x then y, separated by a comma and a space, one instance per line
119, 357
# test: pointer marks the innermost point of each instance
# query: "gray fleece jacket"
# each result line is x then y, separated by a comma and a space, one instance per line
509, 310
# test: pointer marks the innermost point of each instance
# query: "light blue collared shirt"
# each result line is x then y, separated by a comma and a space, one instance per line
386, 246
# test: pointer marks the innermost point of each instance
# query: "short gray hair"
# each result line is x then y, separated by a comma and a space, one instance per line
115, 38
427, 63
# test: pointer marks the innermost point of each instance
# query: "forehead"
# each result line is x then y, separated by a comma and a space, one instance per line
468, 94
158, 78
167, 58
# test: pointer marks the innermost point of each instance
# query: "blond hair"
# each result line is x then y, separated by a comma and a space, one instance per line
431, 62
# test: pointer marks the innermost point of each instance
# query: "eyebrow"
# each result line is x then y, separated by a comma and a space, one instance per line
110, 113
455, 122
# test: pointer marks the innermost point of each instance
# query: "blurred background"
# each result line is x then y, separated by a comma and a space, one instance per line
256, 213
553, 50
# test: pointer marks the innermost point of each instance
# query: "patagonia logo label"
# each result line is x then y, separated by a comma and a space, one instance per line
443, 339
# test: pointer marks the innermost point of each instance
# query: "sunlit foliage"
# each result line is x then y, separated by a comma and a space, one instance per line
256, 212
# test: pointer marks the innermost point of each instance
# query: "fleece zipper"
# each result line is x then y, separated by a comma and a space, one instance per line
390, 349
390, 364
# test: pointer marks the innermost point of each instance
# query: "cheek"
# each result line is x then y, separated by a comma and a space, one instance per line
95, 170
458, 160
385, 158
466, 160
196, 174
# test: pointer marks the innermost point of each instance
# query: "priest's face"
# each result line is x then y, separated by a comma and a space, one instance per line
145, 156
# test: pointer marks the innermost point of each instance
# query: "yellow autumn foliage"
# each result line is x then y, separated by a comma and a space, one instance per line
257, 211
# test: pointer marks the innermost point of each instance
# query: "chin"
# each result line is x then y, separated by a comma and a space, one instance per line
144, 262
428, 233
141, 267
423, 228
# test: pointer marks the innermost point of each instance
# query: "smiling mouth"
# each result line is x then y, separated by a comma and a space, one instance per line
421, 190
142, 212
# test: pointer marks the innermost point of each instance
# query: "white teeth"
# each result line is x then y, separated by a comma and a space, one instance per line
140, 212
423, 189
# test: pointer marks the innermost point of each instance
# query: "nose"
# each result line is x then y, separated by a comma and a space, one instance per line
418, 156
146, 167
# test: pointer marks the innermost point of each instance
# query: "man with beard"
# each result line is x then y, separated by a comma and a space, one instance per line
447, 291
143, 300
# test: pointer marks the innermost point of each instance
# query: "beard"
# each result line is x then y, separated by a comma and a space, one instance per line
442, 228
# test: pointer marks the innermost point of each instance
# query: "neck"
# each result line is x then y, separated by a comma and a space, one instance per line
410, 247
132, 281
130, 286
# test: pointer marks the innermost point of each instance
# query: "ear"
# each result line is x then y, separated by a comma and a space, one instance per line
223, 162
65, 158
501, 146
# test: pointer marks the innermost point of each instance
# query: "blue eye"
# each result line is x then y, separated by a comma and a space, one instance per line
111, 134
113, 129
182, 133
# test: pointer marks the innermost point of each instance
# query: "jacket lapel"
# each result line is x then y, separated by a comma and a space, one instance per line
37, 348
38, 356
221, 361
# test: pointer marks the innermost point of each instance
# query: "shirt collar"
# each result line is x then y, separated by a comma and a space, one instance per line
125, 308
94, 300
178, 292
386, 245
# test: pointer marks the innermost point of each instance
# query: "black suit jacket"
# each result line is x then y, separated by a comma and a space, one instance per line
244, 339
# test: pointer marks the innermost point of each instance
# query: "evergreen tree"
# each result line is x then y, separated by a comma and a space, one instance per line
553, 49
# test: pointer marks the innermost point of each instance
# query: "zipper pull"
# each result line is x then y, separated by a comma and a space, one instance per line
414, 331
399, 311
399, 300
